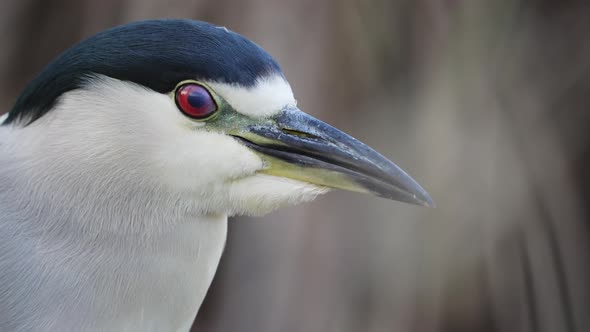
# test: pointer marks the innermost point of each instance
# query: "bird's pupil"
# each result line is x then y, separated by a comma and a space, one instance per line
198, 99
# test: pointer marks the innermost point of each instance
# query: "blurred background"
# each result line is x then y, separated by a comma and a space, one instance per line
485, 103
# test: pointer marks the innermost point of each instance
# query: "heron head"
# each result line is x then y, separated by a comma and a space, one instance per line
198, 111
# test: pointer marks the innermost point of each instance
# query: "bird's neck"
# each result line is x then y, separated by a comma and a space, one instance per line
117, 284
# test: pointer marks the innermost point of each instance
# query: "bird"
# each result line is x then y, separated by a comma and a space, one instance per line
121, 161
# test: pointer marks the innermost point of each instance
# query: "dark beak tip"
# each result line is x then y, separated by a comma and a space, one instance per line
409, 191
421, 197
426, 201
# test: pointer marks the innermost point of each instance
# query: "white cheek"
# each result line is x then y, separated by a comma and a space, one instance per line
180, 153
195, 160
260, 194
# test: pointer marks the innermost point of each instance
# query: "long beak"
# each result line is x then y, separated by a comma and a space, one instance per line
298, 146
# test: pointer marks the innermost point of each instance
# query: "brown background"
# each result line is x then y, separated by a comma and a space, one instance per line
485, 103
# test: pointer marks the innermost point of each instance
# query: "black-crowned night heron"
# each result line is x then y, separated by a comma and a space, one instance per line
121, 161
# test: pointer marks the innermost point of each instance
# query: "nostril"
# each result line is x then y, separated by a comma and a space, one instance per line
299, 133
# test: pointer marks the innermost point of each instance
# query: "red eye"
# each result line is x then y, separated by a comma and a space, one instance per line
195, 101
